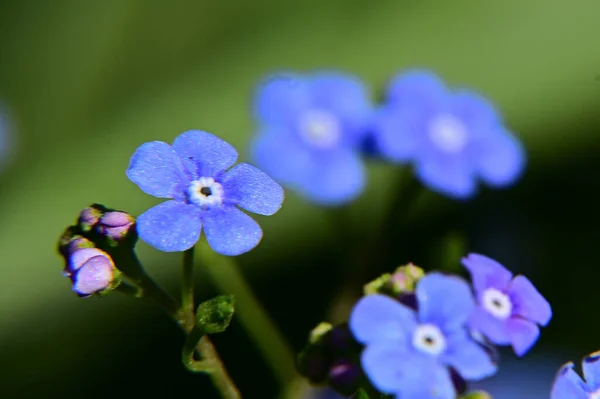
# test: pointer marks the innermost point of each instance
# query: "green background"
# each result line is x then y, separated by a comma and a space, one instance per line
86, 82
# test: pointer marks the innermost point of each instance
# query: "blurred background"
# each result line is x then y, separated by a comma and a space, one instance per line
83, 83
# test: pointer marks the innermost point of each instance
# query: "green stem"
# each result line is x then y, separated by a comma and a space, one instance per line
251, 314
187, 283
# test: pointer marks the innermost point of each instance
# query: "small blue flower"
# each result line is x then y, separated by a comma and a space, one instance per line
192, 172
510, 309
408, 353
452, 138
311, 128
568, 385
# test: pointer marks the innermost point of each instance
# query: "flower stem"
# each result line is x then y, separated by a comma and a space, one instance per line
187, 283
251, 314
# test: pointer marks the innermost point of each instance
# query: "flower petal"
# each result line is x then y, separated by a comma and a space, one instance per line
523, 334
344, 94
409, 375
491, 327
281, 97
205, 154
230, 231
397, 132
469, 358
591, 370
450, 175
157, 170
251, 189
499, 157
172, 226
486, 273
475, 111
568, 385
418, 88
445, 301
377, 318
528, 302
334, 178
281, 156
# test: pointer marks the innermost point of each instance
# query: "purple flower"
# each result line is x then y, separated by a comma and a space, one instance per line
408, 353
115, 225
452, 138
510, 309
192, 173
568, 385
91, 271
311, 128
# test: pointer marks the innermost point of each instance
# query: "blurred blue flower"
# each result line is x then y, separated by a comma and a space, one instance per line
452, 138
192, 172
568, 385
310, 131
510, 309
408, 353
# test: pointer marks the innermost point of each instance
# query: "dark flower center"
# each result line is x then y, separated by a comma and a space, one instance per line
429, 340
497, 304
206, 191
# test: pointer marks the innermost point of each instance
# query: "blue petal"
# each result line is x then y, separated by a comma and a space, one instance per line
281, 97
335, 178
418, 88
491, 327
528, 302
591, 370
253, 190
409, 375
468, 358
450, 175
523, 334
281, 156
343, 94
207, 154
172, 226
568, 385
475, 111
445, 301
486, 273
230, 231
397, 132
156, 168
378, 318
499, 158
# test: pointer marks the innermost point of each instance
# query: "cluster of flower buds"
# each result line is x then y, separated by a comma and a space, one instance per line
85, 248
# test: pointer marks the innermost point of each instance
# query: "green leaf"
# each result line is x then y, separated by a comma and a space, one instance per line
214, 315
360, 394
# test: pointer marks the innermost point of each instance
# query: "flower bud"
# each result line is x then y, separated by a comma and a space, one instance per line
405, 278
90, 216
92, 271
116, 226
344, 376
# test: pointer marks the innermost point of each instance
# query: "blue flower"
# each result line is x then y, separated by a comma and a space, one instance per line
510, 309
452, 138
311, 128
568, 385
192, 172
408, 353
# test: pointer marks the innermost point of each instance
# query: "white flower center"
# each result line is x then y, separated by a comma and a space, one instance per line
320, 128
448, 133
429, 339
497, 303
206, 192
595, 395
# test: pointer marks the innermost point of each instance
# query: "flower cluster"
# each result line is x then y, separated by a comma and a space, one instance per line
84, 248
425, 335
314, 129
203, 194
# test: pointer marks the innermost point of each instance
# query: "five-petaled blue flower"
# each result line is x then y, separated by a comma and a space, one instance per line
452, 138
568, 385
408, 353
192, 172
311, 129
510, 309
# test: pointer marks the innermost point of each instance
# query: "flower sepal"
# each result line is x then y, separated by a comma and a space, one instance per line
214, 316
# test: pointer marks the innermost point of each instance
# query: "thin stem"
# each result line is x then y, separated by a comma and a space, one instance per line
187, 283
251, 314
